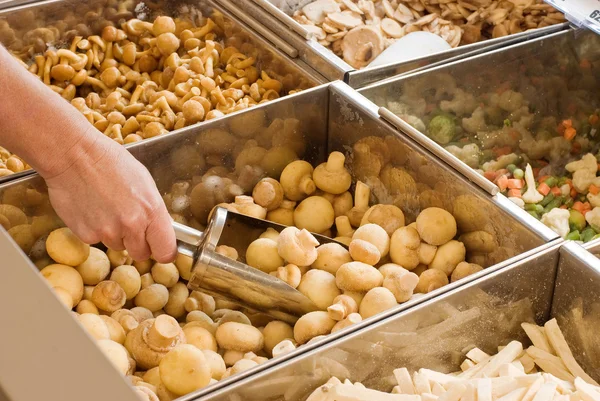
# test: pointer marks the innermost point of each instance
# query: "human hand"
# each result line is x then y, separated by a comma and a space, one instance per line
107, 196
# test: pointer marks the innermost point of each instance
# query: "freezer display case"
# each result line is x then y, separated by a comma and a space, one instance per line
220, 163
137, 70
522, 120
317, 30
557, 287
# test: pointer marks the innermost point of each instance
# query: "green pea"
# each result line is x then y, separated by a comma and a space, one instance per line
511, 168
518, 173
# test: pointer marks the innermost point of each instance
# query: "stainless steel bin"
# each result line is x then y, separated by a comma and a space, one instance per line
314, 122
63, 17
485, 313
275, 15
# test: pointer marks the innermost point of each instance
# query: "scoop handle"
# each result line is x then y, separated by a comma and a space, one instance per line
188, 239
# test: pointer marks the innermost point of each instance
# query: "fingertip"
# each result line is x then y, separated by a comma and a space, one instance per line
161, 239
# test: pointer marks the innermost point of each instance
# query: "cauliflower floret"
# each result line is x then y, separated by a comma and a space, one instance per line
593, 217
476, 122
557, 220
501, 162
463, 103
517, 201
582, 179
594, 199
415, 122
587, 162
584, 172
468, 154
522, 117
509, 100
531, 195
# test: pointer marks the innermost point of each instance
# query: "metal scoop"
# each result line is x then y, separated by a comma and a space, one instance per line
218, 275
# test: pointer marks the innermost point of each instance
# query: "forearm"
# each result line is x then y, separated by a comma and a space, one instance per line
39, 125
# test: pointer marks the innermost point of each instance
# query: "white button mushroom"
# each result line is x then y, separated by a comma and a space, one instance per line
320, 287
297, 246
311, 325
65, 248
264, 254
296, 180
436, 226
330, 257
358, 276
314, 214
332, 176
376, 300
184, 369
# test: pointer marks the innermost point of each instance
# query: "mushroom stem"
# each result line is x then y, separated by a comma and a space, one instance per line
336, 161
306, 239
344, 228
163, 331
307, 185
361, 196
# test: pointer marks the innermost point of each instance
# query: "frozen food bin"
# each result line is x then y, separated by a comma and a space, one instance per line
561, 281
36, 32
277, 16
312, 123
460, 112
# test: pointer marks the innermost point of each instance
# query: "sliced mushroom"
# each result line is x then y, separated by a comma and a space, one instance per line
391, 28
362, 45
315, 32
318, 10
345, 20
389, 10
351, 6
329, 29
403, 14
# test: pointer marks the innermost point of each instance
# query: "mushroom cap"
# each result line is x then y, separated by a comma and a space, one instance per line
65, 248
184, 369
376, 300
320, 287
330, 257
311, 325
436, 226
65, 277
297, 246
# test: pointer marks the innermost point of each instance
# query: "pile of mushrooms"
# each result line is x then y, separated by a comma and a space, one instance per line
358, 31
140, 79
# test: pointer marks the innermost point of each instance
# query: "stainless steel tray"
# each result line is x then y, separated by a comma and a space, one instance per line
27, 15
275, 15
485, 313
468, 73
328, 117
